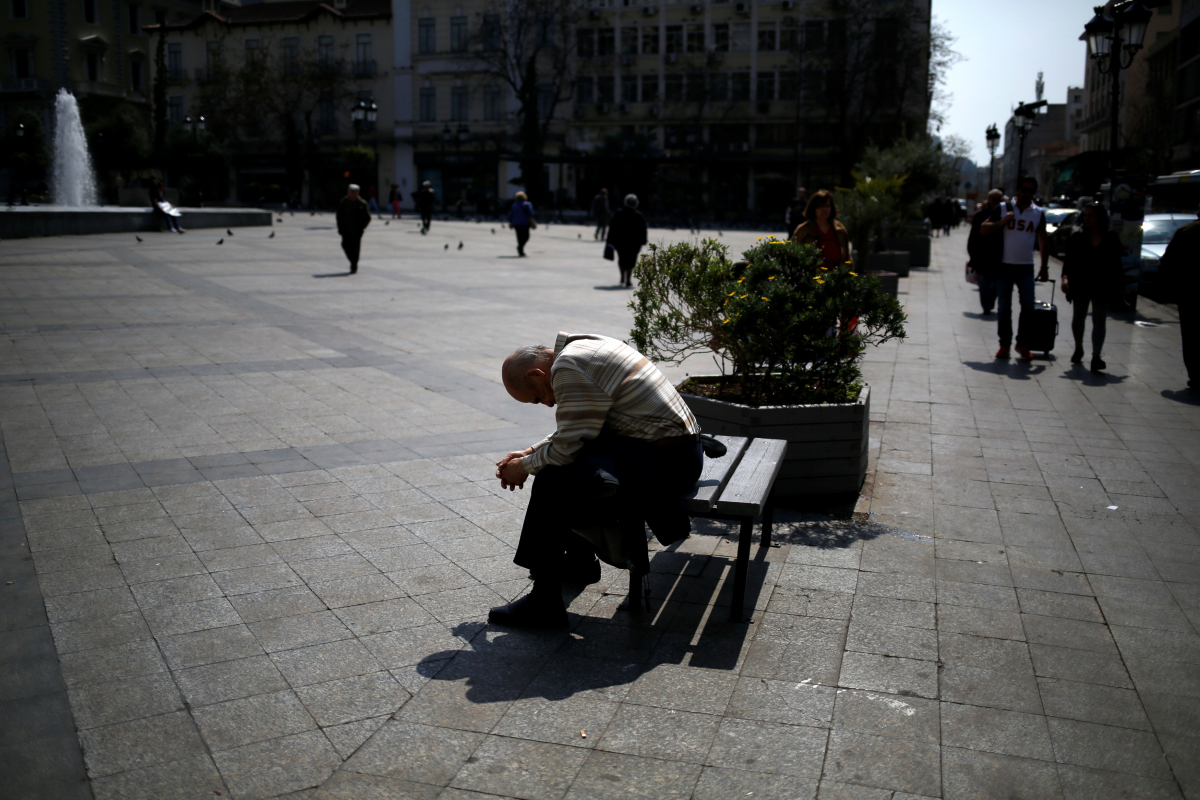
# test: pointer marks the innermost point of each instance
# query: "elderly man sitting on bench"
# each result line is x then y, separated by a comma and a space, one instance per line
626, 448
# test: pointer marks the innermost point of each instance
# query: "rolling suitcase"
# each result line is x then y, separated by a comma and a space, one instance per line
1038, 326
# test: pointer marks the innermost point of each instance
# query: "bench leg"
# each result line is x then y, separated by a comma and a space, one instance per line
738, 601
768, 518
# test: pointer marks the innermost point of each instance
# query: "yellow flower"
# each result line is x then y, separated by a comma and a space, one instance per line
726, 322
820, 281
731, 294
743, 297
762, 298
855, 274
771, 278
824, 269
741, 279
810, 306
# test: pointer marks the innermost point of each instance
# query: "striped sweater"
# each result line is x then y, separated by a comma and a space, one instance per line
601, 382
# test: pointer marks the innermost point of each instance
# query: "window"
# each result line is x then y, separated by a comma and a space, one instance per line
491, 103
674, 39
253, 50
546, 95
739, 86
585, 89
175, 62
136, 68
93, 67
789, 85
650, 40
458, 104
364, 56
649, 88
491, 31
89, 12
22, 63
721, 37
766, 37
428, 110
212, 60
629, 41
585, 42
833, 86
545, 29
175, 111
674, 88
289, 48
765, 86
458, 34
604, 89
814, 34
606, 43
739, 37
695, 38
695, 87
789, 39
135, 20
327, 115
325, 49
718, 87
427, 36
629, 88
20, 9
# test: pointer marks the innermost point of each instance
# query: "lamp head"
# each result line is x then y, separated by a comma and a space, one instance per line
1099, 31
1134, 17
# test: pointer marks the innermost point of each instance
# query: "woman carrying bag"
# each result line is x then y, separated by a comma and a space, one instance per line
1091, 273
627, 235
520, 217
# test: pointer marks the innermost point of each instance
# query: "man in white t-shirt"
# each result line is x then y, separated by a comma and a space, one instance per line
1021, 224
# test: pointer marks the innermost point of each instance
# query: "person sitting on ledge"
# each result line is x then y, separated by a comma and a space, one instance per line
626, 447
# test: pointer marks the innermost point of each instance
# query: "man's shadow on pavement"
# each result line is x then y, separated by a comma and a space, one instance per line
608, 647
1185, 396
345, 274
616, 288
1082, 374
1017, 370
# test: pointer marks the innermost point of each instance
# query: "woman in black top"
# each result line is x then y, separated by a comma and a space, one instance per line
1091, 273
627, 235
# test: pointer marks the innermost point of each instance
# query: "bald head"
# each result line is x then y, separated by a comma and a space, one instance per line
523, 359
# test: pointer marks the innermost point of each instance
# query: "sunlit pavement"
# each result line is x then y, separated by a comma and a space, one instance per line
265, 534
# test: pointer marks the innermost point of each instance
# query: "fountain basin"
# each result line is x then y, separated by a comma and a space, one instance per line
23, 222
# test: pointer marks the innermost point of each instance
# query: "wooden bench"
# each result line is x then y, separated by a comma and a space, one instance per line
737, 486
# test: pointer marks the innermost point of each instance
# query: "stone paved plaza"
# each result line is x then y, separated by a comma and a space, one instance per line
250, 533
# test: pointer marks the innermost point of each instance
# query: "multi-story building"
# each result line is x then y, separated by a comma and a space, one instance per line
1186, 128
96, 49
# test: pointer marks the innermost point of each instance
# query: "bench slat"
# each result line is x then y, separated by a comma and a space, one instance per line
716, 474
748, 488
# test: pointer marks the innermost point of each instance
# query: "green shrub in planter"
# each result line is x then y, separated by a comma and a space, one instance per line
788, 330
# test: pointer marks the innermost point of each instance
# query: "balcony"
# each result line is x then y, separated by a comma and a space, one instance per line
364, 69
14, 85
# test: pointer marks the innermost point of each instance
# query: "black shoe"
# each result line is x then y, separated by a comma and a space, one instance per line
534, 610
1077, 356
987, 311
1098, 364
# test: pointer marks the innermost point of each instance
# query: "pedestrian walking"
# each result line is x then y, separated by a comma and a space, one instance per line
821, 227
1021, 224
353, 217
1179, 272
162, 209
793, 215
424, 199
520, 217
372, 203
627, 235
602, 213
985, 252
1091, 274
394, 200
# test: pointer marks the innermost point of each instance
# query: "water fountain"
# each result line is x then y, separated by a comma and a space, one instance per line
74, 183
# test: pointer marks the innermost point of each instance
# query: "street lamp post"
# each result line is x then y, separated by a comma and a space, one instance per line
1114, 36
1025, 116
363, 114
993, 141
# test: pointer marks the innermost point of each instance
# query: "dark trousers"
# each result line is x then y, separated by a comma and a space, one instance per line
1099, 306
601, 228
627, 260
1189, 329
522, 237
426, 217
1008, 276
987, 291
655, 480
351, 245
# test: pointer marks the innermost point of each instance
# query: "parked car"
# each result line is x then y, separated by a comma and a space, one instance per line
1157, 230
1060, 224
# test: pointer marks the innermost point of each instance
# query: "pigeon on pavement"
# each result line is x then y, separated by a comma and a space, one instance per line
387, 222
493, 230
460, 245
221, 240
137, 237
447, 247
229, 231
272, 236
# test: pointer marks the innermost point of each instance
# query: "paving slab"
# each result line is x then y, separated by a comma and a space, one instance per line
252, 533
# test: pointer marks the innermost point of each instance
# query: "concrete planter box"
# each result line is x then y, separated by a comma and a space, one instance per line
889, 282
896, 261
827, 444
917, 247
